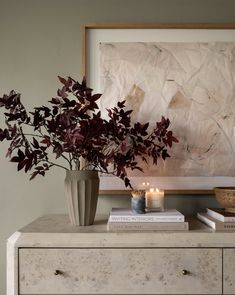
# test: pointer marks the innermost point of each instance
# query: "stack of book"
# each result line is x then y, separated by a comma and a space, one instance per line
218, 219
126, 220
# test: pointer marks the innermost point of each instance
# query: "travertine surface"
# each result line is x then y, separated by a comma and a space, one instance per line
120, 271
193, 85
56, 231
91, 260
229, 271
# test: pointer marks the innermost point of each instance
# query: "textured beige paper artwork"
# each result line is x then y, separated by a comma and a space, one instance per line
191, 83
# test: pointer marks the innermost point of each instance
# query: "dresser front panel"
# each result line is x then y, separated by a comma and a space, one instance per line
229, 271
120, 271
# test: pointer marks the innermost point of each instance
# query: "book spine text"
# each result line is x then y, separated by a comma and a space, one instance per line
113, 226
113, 218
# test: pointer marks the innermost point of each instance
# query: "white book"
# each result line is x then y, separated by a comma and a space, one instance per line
216, 224
147, 226
221, 214
127, 215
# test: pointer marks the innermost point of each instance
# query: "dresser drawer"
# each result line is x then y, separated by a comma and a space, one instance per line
120, 271
229, 271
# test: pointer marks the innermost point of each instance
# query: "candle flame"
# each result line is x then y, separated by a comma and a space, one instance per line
157, 190
151, 190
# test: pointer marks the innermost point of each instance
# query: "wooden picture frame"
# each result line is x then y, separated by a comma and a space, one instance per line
202, 31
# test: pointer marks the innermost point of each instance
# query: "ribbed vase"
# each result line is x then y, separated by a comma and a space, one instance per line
81, 190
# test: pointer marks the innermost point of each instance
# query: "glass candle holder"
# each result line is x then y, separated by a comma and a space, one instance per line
138, 203
155, 200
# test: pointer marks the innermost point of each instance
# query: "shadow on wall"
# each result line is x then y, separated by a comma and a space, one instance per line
188, 205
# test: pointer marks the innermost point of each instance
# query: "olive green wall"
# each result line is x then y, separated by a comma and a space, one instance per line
40, 39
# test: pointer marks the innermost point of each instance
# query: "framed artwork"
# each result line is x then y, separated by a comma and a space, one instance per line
185, 72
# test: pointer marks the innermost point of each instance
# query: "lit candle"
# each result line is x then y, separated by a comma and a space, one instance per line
155, 200
145, 185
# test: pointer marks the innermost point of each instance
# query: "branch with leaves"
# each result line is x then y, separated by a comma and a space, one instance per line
72, 128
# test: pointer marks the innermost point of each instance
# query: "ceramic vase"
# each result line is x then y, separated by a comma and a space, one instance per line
226, 197
81, 190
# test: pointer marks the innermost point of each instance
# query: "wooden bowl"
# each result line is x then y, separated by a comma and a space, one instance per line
226, 197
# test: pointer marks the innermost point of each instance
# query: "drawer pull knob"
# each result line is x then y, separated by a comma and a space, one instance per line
58, 272
185, 272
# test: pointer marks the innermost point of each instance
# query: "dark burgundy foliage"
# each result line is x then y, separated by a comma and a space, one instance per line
72, 128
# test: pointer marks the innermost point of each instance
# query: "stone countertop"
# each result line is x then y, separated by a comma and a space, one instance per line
56, 231
61, 224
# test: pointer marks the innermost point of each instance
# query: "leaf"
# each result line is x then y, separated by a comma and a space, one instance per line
96, 96
21, 164
39, 168
127, 113
33, 175
15, 159
55, 110
56, 100
174, 139
58, 149
66, 82
62, 92
28, 165
20, 155
83, 82
128, 183
145, 160
165, 154
121, 104
35, 143
2, 135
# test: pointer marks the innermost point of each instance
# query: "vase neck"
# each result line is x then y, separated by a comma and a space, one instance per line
82, 174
